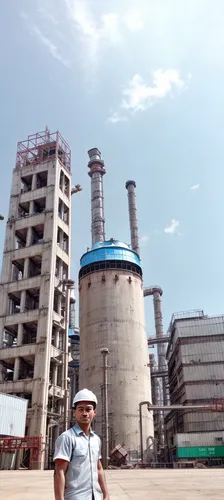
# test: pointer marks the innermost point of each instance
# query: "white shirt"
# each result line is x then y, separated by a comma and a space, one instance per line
83, 453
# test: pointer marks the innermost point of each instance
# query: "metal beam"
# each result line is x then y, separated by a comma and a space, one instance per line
155, 340
214, 407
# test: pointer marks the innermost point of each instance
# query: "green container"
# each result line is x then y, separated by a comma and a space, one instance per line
200, 452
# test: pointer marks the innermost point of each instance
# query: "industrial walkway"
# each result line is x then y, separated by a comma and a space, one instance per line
123, 485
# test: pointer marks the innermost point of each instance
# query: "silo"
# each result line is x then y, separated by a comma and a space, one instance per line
112, 316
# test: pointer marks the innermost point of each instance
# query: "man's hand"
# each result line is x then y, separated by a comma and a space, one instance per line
102, 481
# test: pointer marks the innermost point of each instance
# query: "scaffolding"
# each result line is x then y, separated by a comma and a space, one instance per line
43, 146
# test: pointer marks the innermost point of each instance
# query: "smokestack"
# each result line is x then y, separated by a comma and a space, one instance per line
96, 173
130, 186
157, 293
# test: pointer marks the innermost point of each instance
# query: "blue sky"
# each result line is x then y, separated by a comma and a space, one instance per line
143, 82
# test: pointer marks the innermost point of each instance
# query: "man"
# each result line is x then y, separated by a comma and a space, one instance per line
78, 472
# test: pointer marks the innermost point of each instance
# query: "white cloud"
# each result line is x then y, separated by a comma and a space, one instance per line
172, 228
195, 187
47, 14
52, 48
93, 36
144, 240
116, 118
133, 20
138, 95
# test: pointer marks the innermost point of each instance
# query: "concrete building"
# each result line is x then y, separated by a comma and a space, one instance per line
34, 290
195, 357
112, 316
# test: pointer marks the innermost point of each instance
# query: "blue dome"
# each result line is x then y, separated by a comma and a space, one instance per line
109, 250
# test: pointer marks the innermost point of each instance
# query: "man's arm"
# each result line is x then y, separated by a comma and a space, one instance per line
59, 478
102, 482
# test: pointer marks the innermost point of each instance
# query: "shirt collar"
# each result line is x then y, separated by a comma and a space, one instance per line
79, 431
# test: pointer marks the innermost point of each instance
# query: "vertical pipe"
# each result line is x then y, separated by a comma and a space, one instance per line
97, 170
140, 427
65, 371
72, 309
105, 453
130, 186
159, 333
68, 284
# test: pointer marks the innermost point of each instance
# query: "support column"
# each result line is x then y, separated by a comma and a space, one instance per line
56, 338
55, 374
60, 270
61, 239
59, 304
34, 182
29, 237
19, 336
26, 269
31, 209
16, 370
63, 183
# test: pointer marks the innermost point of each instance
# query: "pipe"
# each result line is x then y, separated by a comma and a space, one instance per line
130, 186
214, 407
154, 340
105, 353
156, 397
68, 285
97, 170
140, 426
72, 308
156, 292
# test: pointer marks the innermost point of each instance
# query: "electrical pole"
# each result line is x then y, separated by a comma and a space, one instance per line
105, 423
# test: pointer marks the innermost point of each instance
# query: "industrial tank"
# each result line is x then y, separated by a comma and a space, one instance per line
112, 316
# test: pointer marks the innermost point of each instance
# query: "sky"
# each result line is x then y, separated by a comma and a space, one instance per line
144, 82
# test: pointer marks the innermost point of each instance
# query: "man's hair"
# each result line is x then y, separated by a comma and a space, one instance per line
90, 402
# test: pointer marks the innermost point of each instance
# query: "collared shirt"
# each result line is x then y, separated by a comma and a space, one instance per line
83, 453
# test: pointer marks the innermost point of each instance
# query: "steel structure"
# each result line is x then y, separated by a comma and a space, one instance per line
32, 443
43, 146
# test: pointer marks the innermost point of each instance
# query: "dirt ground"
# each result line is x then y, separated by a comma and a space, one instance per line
191, 484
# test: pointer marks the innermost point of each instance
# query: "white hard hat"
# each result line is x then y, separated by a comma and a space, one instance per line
84, 395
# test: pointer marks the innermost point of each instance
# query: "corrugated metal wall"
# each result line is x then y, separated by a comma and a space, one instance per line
12, 415
199, 439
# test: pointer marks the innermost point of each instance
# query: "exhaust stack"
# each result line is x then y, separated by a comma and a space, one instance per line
130, 186
97, 170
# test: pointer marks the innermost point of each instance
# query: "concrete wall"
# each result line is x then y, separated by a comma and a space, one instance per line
112, 316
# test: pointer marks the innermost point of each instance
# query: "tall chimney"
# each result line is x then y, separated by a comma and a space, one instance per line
130, 186
161, 351
96, 173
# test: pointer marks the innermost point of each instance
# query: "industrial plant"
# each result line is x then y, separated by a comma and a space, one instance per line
161, 398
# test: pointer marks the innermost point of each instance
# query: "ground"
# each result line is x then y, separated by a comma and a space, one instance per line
191, 484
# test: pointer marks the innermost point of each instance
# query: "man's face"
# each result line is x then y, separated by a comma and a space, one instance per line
84, 412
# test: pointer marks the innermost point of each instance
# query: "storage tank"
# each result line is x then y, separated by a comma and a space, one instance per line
112, 316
